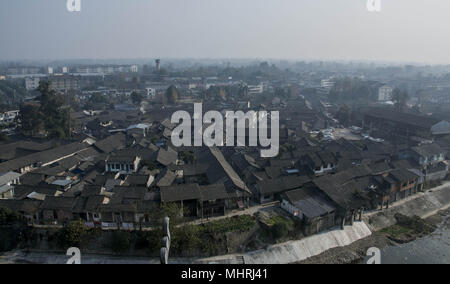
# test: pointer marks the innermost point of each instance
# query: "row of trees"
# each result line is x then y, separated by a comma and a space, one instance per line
400, 97
11, 92
352, 90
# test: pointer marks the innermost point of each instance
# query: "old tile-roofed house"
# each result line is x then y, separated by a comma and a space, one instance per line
167, 157
123, 161
430, 158
195, 173
42, 159
441, 128
59, 168
23, 148
7, 182
374, 151
194, 169
349, 190
128, 206
213, 192
245, 165
32, 178
139, 180
180, 192
428, 154
117, 213
344, 194
243, 162
187, 195
27, 207
269, 190
165, 178
379, 168
221, 171
273, 172
146, 143
399, 184
57, 209
88, 208
114, 142
215, 200
346, 152
311, 206
89, 190
130, 193
319, 162
110, 183
201, 201
390, 122
23, 191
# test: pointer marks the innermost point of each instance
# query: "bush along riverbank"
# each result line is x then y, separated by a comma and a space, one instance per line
12, 229
236, 234
213, 238
407, 229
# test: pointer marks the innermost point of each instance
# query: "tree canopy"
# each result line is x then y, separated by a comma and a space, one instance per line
49, 115
172, 94
400, 98
136, 98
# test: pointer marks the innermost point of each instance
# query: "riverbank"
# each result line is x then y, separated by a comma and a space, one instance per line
430, 206
380, 229
399, 233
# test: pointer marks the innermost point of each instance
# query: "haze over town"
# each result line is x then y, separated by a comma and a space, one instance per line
405, 30
212, 131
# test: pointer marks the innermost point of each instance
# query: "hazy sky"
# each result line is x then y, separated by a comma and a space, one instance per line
405, 30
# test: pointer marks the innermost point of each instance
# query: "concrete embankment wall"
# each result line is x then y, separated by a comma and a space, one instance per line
424, 205
295, 251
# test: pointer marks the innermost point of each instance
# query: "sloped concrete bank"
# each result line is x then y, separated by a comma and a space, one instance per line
423, 205
294, 251
433, 206
349, 245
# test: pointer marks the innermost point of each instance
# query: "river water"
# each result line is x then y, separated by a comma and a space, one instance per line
432, 249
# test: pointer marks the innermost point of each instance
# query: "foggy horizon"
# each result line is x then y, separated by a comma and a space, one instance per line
405, 31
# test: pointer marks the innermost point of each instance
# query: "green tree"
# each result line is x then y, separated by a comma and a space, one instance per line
185, 239
50, 115
343, 115
30, 119
172, 94
188, 157
120, 241
8, 217
136, 98
156, 216
281, 228
98, 98
72, 235
400, 98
